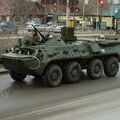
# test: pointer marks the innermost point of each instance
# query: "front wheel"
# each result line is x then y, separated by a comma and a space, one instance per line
53, 75
17, 76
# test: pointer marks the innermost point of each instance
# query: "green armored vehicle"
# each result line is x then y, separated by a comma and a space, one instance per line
62, 58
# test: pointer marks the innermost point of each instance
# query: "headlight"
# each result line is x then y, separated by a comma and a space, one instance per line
28, 53
12, 49
19, 52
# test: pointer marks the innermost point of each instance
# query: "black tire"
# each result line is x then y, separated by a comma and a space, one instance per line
72, 72
111, 66
17, 76
38, 77
95, 69
52, 76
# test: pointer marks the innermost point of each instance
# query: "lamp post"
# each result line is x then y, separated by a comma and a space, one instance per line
84, 10
67, 14
97, 15
45, 13
55, 12
111, 15
74, 12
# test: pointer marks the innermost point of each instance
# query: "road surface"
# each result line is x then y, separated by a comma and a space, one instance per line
82, 101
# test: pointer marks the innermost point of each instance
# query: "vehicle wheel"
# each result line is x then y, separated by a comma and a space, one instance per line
37, 76
17, 76
52, 76
73, 72
95, 69
111, 67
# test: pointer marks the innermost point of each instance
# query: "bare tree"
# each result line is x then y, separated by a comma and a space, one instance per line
24, 8
5, 8
91, 8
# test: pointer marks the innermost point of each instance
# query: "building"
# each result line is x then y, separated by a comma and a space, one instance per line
55, 10
13, 9
113, 14
48, 10
6, 11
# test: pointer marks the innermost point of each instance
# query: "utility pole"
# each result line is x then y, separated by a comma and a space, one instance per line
97, 19
84, 10
56, 8
111, 15
74, 13
67, 14
55, 13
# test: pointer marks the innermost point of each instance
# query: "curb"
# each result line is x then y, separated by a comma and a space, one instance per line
90, 35
3, 71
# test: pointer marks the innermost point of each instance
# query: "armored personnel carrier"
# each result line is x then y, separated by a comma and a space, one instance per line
62, 58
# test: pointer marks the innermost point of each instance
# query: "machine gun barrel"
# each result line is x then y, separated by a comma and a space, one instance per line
44, 38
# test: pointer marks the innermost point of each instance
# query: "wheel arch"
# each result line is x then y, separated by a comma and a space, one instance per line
83, 61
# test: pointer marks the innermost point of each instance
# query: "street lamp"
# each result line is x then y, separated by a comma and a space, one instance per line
67, 14
55, 12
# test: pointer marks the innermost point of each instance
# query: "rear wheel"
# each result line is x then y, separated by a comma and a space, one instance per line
111, 66
73, 72
17, 76
95, 69
52, 76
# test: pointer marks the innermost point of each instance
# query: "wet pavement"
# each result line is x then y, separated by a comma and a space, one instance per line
18, 98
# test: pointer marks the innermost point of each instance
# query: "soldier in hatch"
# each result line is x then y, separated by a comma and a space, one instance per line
35, 37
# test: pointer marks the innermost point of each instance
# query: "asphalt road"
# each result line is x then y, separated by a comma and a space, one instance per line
22, 99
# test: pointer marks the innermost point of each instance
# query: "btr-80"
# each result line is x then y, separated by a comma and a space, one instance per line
62, 58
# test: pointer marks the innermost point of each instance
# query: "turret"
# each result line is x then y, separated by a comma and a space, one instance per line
67, 34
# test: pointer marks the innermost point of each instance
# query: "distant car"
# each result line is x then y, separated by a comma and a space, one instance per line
78, 27
29, 24
57, 28
9, 26
30, 27
40, 27
50, 23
